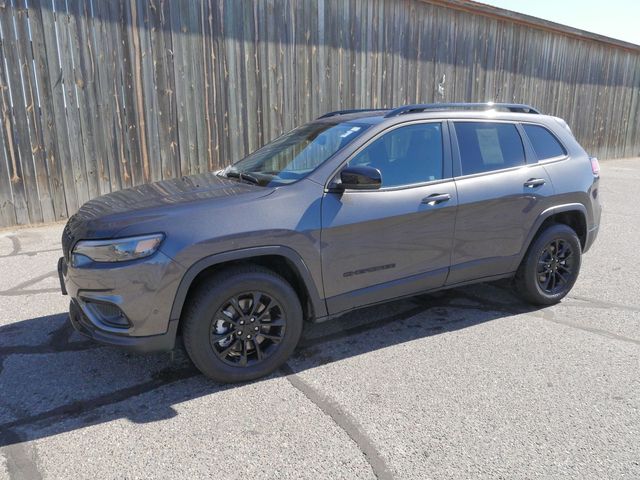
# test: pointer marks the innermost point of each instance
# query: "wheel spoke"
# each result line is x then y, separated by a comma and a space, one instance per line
565, 268
233, 301
278, 322
267, 308
566, 254
562, 277
256, 345
255, 303
273, 338
225, 352
217, 337
226, 319
243, 354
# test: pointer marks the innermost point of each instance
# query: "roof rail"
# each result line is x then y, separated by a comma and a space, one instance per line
421, 107
344, 112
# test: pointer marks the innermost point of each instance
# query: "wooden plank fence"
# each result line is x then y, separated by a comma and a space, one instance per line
99, 95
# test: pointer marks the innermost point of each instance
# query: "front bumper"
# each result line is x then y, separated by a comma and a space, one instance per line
140, 292
152, 343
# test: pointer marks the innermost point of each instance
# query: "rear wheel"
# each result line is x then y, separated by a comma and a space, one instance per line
551, 266
242, 324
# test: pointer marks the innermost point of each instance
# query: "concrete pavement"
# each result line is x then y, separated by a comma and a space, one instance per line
469, 383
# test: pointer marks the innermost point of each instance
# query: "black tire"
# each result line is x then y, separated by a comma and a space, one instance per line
206, 319
544, 278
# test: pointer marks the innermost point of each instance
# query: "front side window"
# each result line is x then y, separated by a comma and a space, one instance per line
544, 143
405, 155
486, 146
295, 154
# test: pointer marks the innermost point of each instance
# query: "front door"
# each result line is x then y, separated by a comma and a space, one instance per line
396, 241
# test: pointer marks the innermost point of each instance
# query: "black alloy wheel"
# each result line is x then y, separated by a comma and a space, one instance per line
555, 266
247, 328
550, 267
241, 323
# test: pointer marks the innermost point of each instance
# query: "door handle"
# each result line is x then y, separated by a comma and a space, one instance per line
436, 198
534, 182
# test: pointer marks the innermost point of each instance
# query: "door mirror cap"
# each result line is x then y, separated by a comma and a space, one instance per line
359, 177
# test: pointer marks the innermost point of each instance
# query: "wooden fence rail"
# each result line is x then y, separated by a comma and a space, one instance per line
99, 95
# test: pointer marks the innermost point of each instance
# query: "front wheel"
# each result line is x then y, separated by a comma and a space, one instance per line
551, 266
242, 324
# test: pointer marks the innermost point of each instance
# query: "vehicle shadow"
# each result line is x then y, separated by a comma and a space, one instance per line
52, 380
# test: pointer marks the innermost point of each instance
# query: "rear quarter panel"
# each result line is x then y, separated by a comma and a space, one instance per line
572, 177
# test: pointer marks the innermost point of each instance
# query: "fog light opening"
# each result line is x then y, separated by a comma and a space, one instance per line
109, 314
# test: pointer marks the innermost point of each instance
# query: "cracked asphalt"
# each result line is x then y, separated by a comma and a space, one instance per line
468, 383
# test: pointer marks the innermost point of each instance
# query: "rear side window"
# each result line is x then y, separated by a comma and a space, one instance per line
544, 143
486, 146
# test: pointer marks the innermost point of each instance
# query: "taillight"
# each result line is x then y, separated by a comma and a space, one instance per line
595, 166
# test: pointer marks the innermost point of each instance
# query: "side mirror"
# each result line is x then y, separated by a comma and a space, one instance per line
360, 177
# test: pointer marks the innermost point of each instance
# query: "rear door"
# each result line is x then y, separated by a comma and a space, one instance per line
395, 241
501, 191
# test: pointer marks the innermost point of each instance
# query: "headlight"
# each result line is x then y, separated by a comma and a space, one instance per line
118, 249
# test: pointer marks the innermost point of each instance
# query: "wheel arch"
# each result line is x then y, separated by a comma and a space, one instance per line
572, 214
293, 268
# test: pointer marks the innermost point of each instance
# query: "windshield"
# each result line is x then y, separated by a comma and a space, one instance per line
295, 154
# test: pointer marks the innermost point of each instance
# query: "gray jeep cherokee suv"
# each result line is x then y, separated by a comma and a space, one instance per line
353, 209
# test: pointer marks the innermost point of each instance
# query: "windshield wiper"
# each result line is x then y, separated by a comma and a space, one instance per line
242, 176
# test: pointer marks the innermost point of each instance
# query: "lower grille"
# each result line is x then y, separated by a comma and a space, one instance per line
108, 314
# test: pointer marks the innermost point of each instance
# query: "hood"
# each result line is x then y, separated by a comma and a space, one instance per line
105, 216
165, 193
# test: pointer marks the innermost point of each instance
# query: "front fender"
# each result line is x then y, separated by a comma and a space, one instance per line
192, 272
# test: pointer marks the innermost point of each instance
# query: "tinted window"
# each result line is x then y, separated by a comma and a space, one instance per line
295, 154
544, 143
488, 146
406, 155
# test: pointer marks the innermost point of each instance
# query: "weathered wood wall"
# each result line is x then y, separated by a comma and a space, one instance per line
99, 95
